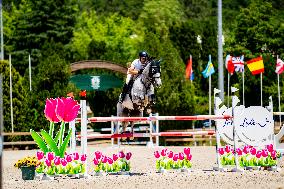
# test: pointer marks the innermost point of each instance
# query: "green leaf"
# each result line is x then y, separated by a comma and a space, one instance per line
50, 142
56, 139
65, 143
40, 142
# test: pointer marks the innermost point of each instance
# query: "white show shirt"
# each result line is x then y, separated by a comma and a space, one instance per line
137, 65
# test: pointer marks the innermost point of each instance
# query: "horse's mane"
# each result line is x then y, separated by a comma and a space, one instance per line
149, 62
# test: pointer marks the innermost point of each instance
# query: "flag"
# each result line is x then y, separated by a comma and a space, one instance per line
279, 66
209, 70
235, 63
188, 71
255, 65
238, 63
229, 64
192, 76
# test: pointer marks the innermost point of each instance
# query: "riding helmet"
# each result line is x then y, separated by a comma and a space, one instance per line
143, 54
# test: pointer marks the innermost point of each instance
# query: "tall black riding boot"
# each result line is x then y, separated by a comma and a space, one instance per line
124, 92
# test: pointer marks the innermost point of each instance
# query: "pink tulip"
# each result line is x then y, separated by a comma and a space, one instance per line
156, 154
128, 155
76, 156
186, 151
47, 162
104, 159
181, 156
84, 157
114, 157
227, 149
39, 155
96, 162
170, 154
68, 158
253, 151
110, 161
63, 162
246, 149
57, 160
98, 154
239, 151
67, 109
188, 157
175, 157
264, 153
50, 156
273, 154
164, 152
49, 111
258, 154
121, 154
221, 151
269, 147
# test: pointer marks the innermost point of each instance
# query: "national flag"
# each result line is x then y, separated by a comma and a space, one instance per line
238, 63
209, 70
229, 64
256, 65
192, 76
188, 71
279, 66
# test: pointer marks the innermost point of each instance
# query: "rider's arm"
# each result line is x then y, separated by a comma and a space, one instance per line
132, 71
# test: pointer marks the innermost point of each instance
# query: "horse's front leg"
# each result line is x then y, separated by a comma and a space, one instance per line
132, 130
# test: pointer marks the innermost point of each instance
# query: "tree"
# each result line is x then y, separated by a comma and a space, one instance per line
113, 38
38, 22
21, 110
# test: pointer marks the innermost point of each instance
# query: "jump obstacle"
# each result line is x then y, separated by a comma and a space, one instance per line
226, 128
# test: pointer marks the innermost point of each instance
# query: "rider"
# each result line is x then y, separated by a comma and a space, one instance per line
136, 67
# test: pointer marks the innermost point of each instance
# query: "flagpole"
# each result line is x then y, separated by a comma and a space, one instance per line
243, 75
11, 95
228, 94
261, 88
279, 104
30, 72
210, 100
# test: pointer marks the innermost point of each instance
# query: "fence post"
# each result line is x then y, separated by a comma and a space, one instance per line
112, 131
157, 130
84, 122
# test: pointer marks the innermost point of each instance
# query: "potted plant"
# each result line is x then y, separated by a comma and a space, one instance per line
166, 160
27, 166
71, 164
118, 163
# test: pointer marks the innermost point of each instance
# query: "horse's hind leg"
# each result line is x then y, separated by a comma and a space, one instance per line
132, 130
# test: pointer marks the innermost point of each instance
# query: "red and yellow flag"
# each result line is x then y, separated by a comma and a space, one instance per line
188, 71
256, 65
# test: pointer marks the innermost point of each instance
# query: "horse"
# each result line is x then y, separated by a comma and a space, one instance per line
141, 95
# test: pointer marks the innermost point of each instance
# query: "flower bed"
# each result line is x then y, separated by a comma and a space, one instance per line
54, 165
116, 164
250, 156
167, 159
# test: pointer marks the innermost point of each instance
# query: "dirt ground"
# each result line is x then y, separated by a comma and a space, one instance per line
143, 173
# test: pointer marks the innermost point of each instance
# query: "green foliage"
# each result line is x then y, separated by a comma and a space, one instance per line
110, 38
40, 142
21, 110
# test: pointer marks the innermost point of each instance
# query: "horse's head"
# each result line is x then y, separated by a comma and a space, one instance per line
153, 70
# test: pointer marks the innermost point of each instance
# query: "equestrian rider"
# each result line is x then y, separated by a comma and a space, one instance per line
136, 68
